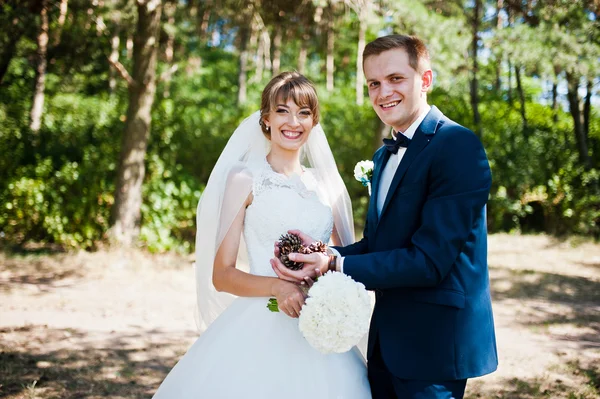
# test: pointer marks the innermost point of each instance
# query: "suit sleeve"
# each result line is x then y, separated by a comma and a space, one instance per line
460, 181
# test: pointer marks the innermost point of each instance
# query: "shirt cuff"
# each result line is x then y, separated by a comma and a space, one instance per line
339, 266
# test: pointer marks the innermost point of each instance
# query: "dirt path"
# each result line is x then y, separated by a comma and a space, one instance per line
111, 324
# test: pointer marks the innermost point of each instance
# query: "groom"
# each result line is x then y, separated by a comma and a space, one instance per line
424, 250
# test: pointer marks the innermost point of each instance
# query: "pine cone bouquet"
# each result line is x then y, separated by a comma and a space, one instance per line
291, 243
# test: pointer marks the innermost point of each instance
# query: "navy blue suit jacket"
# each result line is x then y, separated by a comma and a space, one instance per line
426, 257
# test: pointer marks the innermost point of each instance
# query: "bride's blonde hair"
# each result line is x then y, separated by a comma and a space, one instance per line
288, 85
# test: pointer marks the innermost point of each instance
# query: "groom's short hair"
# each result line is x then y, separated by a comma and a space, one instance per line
418, 56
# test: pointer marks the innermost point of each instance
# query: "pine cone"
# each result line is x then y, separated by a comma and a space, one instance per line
285, 249
291, 243
317, 246
305, 250
287, 244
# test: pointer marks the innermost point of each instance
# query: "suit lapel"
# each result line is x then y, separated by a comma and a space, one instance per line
420, 140
380, 161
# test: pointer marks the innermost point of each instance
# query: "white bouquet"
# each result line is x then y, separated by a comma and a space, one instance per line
336, 314
363, 172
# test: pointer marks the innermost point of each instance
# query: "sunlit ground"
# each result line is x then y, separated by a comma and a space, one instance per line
111, 324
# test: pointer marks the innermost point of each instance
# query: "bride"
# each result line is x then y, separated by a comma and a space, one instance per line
276, 173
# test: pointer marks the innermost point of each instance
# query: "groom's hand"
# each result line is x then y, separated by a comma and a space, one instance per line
305, 238
314, 265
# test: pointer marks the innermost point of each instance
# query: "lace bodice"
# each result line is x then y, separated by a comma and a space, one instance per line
281, 203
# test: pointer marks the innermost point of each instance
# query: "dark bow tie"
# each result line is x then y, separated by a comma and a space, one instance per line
393, 145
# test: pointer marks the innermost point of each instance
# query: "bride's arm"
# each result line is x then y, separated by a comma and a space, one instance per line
226, 277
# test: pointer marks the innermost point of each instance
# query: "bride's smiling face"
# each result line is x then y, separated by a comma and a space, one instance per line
290, 124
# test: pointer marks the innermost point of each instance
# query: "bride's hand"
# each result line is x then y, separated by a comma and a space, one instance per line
309, 282
290, 298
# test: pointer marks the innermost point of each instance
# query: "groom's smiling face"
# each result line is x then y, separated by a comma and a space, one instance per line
397, 92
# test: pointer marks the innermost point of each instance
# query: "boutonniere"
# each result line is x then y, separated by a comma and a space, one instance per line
363, 172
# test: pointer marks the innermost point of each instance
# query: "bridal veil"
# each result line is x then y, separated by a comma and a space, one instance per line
228, 186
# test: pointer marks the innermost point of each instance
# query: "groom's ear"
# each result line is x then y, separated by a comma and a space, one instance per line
426, 80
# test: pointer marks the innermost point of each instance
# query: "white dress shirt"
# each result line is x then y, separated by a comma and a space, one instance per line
387, 175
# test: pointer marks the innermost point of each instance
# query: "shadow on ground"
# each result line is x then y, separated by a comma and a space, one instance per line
39, 271
534, 388
552, 300
530, 284
31, 248
117, 369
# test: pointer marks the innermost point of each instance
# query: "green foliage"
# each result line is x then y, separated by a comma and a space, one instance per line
52, 204
59, 188
352, 134
57, 185
168, 210
190, 129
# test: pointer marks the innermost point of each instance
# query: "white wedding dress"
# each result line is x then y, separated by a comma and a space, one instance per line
250, 352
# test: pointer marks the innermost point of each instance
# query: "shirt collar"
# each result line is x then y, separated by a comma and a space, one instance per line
410, 132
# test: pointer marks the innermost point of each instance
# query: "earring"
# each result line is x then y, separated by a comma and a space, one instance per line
268, 128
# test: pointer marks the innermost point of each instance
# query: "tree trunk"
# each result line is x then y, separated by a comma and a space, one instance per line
499, 26
593, 142
266, 44
302, 58
100, 25
277, 49
259, 30
260, 65
509, 87
252, 46
330, 64
587, 108
578, 123
64, 6
243, 72
474, 83
131, 171
555, 107
203, 20
169, 9
115, 42
521, 98
302, 55
129, 47
555, 99
40, 75
360, 77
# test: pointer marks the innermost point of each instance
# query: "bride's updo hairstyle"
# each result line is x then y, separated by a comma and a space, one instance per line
284, 86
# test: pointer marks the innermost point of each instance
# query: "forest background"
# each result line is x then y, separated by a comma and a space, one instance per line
113, 112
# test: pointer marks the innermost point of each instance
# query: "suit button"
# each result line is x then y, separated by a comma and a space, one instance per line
378, 293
